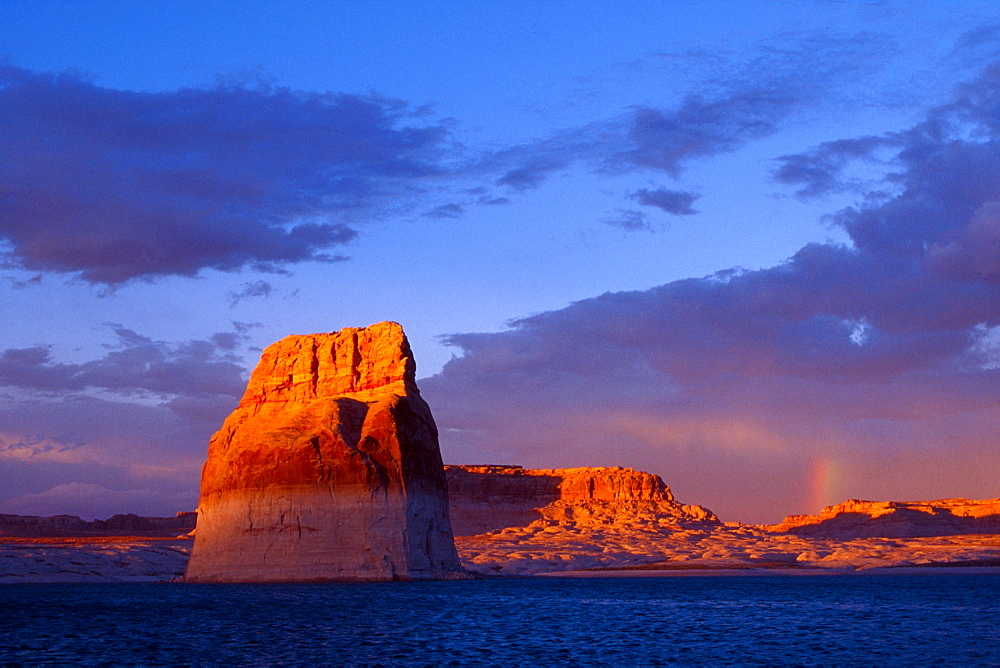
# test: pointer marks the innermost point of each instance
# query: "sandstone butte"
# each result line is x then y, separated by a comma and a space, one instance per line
486, 499
328, 470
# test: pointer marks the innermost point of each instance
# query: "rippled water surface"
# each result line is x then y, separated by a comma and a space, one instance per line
890, 619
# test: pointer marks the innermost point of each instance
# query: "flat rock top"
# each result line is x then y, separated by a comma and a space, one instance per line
604, 495
606, 483
354, 362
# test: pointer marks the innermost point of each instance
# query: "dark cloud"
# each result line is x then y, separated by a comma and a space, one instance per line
820, 170
980, 44
676, 202
629, 220
248, 290
749, 104
116, 185
20, 284
750, 101
113, 185
135, 365
226, 340
665, 140
532, 173
492, 201
244, 328
861, 370
136, 419
446, 211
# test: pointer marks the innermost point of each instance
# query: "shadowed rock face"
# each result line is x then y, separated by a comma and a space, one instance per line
329, 469
897, 519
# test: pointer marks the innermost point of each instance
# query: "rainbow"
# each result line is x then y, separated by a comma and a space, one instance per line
824, 483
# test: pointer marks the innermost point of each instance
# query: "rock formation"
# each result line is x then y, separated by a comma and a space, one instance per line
510, 520
897, 519
491, 498
116, 525
329, 469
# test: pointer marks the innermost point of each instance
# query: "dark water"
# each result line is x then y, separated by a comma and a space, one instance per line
944, 618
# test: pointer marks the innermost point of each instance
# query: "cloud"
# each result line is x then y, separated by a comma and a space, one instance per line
90, 502
19, 284
136, 364
749, 101
537, 161
446, 211
974, 252
980, 44
227, 341
492, 201
664, 140
114, 444
115, 185
676, 202
819, 171
254, 289
876, 360
137, 418
629, 220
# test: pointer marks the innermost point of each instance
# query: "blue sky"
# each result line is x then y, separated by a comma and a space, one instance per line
750, 247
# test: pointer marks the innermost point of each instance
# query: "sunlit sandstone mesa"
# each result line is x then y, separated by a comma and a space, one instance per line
897, 519
329, 469
487, 499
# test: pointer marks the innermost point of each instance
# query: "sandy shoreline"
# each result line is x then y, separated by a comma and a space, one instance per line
627, 553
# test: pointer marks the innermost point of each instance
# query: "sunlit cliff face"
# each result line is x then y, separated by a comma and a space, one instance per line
328, 470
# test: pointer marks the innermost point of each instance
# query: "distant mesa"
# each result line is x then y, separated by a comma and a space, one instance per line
128, 524
328, 470
897, 519
491, 498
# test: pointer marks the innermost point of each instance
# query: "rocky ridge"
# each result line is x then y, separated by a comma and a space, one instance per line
127, 524
510, 520
897, 519
329, 469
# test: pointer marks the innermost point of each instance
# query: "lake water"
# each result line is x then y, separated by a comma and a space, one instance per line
947, 618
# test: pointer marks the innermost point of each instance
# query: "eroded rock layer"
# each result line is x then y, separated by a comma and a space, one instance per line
329, 469
897, 519
490, 498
